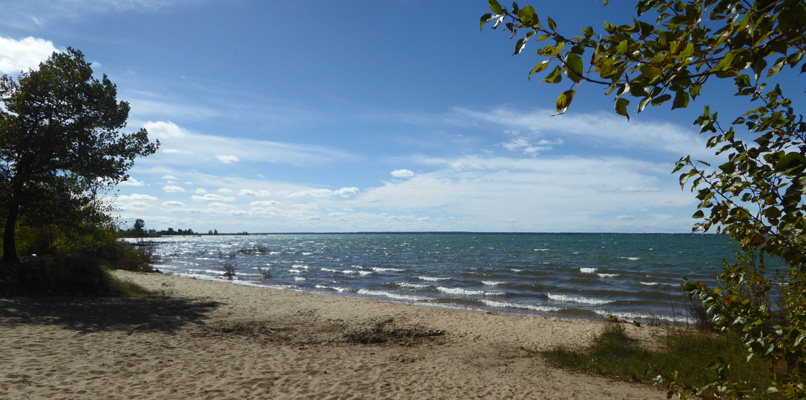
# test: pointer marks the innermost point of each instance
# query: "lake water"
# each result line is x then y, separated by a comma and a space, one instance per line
565, 275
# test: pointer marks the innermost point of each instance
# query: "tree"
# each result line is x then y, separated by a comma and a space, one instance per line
667, 53
61, 134
139, 224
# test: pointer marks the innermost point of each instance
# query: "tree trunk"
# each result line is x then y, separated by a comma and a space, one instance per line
9, 244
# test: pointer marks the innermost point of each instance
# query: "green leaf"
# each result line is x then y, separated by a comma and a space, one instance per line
555, 76
588, 32
776, 68
552, 24
495, 7
699, 214
539, 67
520, 45
661, 99
485, 19
564, 101
528, 17
680, 100
573, 67
650, 72
621, 107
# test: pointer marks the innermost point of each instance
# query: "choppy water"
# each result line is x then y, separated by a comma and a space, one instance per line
566, 275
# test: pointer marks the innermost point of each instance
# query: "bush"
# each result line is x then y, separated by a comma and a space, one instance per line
65, 275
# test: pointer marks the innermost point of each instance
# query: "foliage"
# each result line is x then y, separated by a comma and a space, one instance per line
61, 143
685, 353
667, 53
63, 275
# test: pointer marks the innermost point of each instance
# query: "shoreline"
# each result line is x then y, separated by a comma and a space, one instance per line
208, 339
580, 315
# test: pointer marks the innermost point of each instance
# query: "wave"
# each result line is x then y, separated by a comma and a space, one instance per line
630, 258
432, 279
493, 283
381, 293
608, 275
299, 278
650, 283
541, 249
505, 304
578, 299
409, 285
639, 316
379, 269
465, 292
585, 270
333, 288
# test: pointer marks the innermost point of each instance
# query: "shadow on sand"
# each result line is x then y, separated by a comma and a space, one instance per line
165, 314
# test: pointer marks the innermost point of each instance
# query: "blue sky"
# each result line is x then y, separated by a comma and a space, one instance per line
363, 116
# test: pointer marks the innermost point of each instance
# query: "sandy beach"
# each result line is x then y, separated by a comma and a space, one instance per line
217, 340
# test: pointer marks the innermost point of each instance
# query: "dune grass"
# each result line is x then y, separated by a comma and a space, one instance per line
686, 355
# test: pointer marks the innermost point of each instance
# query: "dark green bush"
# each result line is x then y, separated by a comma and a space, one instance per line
65, 275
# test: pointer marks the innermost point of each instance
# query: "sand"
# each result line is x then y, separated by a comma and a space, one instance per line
217, 340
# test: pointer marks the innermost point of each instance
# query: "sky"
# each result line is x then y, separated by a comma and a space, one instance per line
357, 116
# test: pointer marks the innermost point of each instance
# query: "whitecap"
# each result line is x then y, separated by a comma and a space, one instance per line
650, 283
334, 288
540, 249
608, 275
411, 285
465, 292
379, 269
630, 258
493, 283
579, 299
504, 304
586, 270
369, 292
636, 316
299, 278
432, 279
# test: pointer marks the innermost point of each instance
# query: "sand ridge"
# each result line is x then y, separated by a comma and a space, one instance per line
217, 340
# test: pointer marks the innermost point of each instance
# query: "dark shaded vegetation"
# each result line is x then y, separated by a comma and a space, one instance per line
63, 275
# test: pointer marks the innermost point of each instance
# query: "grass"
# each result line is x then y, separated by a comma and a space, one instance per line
684, 353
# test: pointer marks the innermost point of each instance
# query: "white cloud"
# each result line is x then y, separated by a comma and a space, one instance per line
136, 196
227, 158
200, 149
169, 177
21, 55
175, 151
212, 197
173, 204
322, 193
347, 192
131, 182
402, 173
225, 191
43, 12
173, 189
604, 128
200, 191
264, 203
